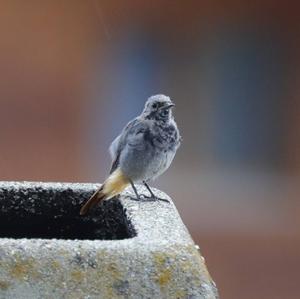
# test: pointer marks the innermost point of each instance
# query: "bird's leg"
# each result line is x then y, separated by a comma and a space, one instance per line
137, 198
153, 196
149, 189
145, 198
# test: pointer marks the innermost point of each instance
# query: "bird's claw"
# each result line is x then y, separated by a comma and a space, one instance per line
145, 198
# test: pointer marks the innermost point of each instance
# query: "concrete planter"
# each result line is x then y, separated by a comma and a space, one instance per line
124, 249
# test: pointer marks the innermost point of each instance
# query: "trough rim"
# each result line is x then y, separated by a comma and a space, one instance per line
151, 230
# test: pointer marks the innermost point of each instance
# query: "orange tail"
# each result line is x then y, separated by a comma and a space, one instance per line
94, 199
113, 186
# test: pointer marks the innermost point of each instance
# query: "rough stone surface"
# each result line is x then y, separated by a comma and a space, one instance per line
124, 249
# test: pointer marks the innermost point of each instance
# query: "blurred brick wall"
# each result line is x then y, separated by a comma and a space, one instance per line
44, 46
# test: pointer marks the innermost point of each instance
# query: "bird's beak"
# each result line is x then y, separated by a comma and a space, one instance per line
169, 106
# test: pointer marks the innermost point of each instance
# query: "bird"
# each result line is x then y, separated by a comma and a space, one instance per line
142, 152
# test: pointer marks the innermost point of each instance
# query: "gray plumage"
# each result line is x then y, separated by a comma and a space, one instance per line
143, 151
147, 145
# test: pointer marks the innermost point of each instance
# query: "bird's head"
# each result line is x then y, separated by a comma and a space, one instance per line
158, 107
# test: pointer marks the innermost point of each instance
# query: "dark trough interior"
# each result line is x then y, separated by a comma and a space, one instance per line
43, 212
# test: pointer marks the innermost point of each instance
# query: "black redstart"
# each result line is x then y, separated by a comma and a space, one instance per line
143, 151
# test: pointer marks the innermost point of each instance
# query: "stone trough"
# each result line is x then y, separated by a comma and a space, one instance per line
123, 249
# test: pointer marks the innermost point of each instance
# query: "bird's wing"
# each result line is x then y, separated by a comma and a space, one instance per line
117, 145
114, 153
113, 149
138, 136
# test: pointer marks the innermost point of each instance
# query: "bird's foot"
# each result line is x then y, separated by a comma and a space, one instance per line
144, 198
134, 198
161, 199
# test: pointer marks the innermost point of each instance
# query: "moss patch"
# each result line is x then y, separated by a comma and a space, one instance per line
4, 285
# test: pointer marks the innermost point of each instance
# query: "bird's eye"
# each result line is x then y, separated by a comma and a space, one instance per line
154, 106
165, 112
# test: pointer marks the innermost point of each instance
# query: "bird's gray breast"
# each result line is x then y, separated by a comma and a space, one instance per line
149, 152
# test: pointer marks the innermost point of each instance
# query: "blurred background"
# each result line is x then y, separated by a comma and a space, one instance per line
72, 73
